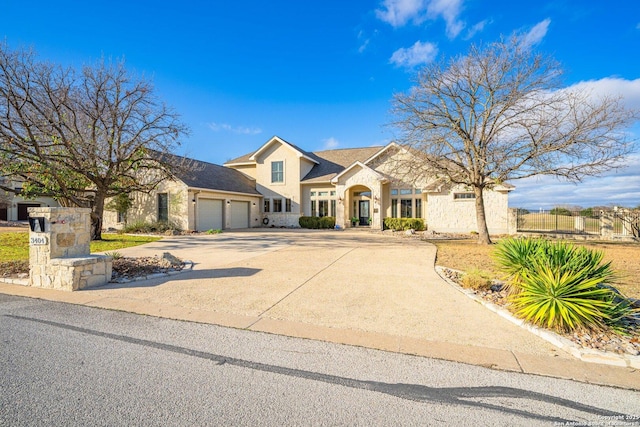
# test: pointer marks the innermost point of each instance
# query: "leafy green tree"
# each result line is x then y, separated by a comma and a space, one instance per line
82, 136
560, 211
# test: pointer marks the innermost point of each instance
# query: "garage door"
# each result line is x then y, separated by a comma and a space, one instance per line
239, 214
209, 214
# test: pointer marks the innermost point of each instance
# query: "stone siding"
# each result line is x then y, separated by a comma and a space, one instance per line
445, 214
59, 255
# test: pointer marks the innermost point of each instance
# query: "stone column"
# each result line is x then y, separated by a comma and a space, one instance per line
59, 253
606, 225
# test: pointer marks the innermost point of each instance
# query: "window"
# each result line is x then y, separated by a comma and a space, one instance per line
394, 208
121, 216
405, 208
406, 191
418, 191
418, 208
277, 205
323, 193
163, 207
313, 194
394, 192
463, 196
313, 208
277, 171
267, 205
333, 193
323, 208
287, 205
333, 208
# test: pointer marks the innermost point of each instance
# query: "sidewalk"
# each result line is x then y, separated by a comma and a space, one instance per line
350, 287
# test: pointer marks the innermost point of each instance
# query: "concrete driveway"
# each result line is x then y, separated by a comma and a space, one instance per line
352, 287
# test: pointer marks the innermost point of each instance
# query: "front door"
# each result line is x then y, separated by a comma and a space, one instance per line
364, 212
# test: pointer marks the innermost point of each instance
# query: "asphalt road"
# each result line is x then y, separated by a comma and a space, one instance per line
64, 364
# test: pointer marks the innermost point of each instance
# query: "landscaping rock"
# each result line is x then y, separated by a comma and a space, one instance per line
169, 260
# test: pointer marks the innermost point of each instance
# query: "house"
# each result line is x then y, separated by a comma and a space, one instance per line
279, 182
13, 207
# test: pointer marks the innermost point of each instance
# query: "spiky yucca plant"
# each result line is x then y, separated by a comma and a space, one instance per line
560, 286
564, 299
514, 257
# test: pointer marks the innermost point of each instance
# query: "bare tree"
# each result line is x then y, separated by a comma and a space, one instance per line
500, 113
82, 136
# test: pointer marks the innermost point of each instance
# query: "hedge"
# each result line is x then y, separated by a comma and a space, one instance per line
317, 222
401, 224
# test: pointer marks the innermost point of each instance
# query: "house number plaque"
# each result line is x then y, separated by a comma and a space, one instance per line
37, 240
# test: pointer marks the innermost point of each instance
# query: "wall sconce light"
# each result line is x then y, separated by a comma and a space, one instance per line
340, 199
376, 199
193, 200
254, 203
228, 202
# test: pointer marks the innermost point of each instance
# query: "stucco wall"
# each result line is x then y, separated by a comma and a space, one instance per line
289, 189
446, 215
145, 207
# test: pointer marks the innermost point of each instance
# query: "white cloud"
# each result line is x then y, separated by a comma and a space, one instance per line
537, 33
620, 187
419, 53
330, 143
477, 28
449, 10
613, 86
398, 13
217, 127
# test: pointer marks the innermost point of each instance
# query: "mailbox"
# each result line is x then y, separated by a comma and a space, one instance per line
36, 224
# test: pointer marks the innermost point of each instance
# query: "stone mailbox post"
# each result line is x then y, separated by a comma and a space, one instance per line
59, 255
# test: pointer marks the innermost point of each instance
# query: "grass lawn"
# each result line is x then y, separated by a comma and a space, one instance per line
15, 246
467, 254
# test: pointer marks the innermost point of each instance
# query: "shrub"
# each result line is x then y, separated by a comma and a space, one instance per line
476, 279
513, 257
560, 286
115, 254
150, 227
401, 224
316, 222
565, 300
327, 222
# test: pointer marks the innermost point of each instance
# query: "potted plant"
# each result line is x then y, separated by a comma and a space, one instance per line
354, 221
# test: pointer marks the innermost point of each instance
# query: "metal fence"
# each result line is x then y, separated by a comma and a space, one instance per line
586, 221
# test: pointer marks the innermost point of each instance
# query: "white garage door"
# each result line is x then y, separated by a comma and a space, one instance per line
239, 214
209, 214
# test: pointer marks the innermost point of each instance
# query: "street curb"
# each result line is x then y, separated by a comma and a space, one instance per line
586, 355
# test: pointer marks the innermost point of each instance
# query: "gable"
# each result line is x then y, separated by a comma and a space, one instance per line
274, 143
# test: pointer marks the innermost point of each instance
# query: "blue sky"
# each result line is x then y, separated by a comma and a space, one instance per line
321, 74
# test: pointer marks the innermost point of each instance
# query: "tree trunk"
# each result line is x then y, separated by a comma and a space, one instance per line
481, 218
96, 217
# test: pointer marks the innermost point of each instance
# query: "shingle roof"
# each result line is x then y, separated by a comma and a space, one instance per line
199, 174
332, 162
